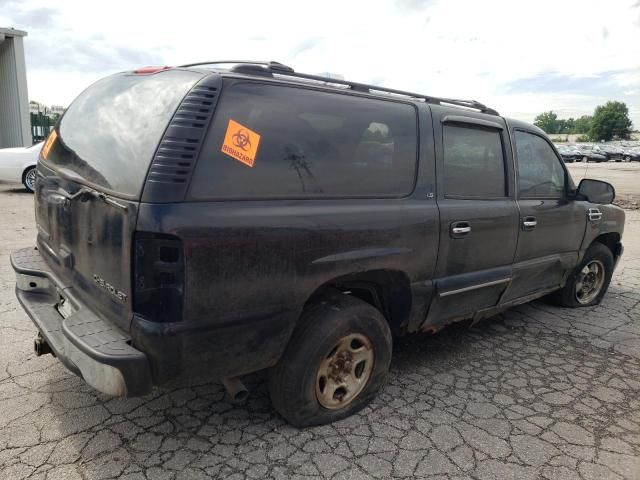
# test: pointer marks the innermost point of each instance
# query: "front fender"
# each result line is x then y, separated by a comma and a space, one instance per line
610, 226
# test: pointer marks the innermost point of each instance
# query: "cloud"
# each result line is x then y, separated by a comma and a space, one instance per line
88, 55
304, 45
520, 58
26, 17
413, 5
601, 84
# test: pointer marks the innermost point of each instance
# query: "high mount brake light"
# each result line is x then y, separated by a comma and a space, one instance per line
150, 70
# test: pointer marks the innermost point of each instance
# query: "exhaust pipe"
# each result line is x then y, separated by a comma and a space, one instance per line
235, 389
41, 347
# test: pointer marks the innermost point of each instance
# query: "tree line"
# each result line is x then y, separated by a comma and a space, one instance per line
608, 121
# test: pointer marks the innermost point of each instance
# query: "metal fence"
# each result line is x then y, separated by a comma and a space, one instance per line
41, 125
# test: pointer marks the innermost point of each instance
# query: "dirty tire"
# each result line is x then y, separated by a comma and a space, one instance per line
566, 297
292, 382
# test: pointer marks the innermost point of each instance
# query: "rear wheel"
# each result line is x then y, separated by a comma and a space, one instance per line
335, 362
588, 283
29, 179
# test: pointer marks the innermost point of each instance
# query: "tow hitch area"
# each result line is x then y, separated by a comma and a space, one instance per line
41, 347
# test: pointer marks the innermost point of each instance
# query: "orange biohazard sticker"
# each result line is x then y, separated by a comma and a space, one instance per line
241, 143
49, 143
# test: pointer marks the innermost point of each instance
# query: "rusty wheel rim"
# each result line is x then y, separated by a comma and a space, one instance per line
590, 282
344, 372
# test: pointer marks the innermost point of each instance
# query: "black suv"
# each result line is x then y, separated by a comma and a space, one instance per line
229, 220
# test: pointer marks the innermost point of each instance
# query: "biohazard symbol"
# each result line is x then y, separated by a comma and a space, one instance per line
241, 139
241, 143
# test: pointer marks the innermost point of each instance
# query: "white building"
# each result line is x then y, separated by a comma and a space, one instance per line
15, 129
56, 109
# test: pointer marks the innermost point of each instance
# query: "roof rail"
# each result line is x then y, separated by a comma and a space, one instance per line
277, 68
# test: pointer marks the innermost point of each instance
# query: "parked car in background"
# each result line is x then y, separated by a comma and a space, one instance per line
611, 151
569, 153
19, 165
631, 154
591, 153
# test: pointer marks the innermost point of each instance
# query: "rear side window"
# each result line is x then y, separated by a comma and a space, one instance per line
111, 130
473, 162
271, 141
540, 173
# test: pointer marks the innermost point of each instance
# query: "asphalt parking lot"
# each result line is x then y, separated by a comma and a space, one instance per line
625, 177
538, 392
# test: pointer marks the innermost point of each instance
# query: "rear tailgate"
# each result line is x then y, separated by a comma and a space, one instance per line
87, 243
91, 176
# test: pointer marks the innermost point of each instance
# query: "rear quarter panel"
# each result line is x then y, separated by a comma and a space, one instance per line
251, 266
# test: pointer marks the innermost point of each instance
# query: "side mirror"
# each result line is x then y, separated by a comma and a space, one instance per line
596, 191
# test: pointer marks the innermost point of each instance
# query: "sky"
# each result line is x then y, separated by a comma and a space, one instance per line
519, 57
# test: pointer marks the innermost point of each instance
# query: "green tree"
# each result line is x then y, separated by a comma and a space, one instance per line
610, 120
582, 124
547, 121
565, 125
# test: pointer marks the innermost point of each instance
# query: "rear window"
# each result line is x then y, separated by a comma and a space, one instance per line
111, 131
271, 141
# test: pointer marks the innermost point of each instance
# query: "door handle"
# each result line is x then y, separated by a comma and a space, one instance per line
460, 229
594, 215
529, 223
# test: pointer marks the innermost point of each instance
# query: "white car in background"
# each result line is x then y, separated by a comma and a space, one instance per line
19, 165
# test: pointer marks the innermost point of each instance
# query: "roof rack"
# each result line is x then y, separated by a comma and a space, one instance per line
276, 68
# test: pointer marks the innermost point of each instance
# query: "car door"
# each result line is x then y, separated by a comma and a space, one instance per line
478, 213
551, 224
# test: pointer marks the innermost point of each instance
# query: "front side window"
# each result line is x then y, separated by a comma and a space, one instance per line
473, 162
540, 173
272, 141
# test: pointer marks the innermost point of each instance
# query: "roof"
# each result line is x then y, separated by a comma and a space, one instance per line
12, 32
276, 69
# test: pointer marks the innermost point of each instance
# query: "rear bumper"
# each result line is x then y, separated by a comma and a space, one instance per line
86, 344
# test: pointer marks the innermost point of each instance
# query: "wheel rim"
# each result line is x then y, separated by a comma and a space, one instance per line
30, 179
590, 281
344, 372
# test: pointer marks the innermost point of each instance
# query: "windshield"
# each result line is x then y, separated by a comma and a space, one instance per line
110, 132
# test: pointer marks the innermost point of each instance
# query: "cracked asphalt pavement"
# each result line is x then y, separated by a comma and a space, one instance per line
538, 392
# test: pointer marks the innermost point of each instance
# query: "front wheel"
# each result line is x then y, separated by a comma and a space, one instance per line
335, 363
588, 283
29, 179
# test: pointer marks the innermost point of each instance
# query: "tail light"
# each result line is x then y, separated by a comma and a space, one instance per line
158, 275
